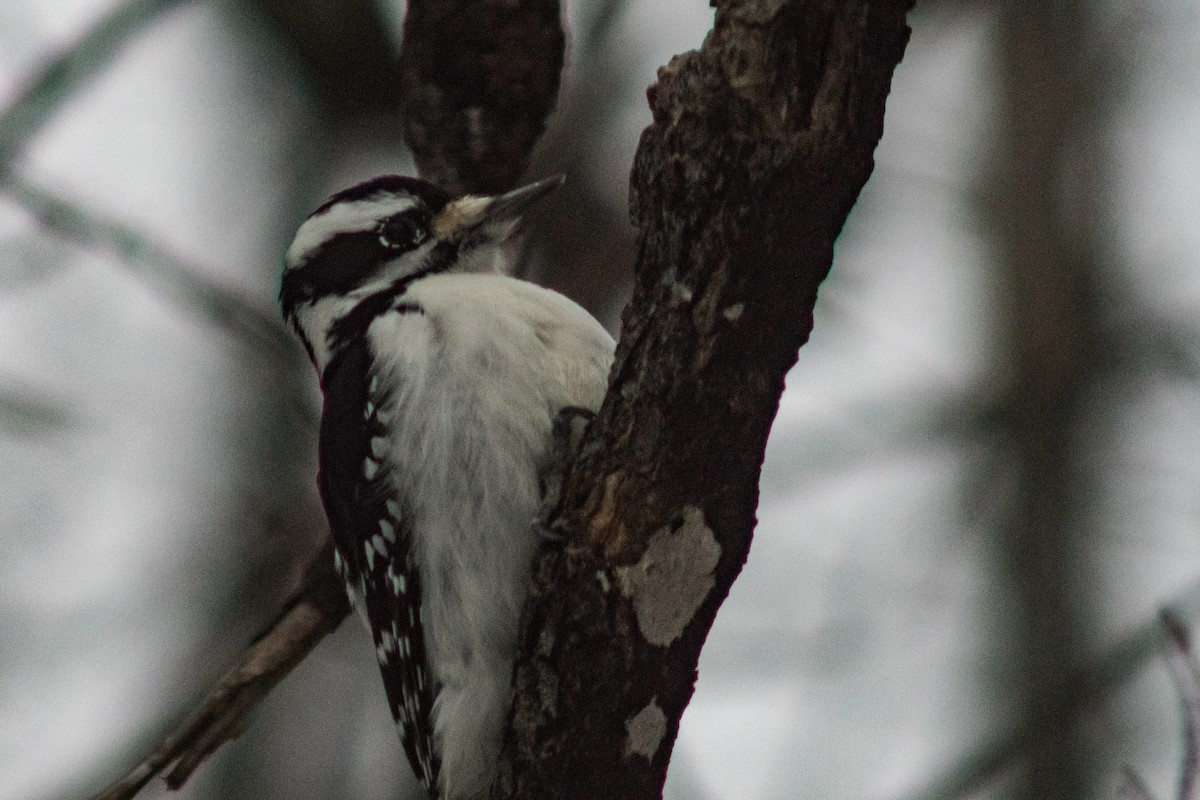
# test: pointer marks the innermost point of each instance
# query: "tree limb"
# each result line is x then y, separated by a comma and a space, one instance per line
343, 46
479, 79
314, 611
760, 144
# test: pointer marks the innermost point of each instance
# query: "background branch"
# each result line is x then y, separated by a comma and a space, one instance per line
59, 79
480, 77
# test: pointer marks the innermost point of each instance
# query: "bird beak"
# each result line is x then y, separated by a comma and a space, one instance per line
492, 218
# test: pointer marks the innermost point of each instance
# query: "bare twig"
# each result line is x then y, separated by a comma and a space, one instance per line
180, 280
1182, 663
1061, 706
313, 612
1131, 787
58, 80
176, 278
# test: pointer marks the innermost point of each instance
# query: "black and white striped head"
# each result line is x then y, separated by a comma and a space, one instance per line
381, 235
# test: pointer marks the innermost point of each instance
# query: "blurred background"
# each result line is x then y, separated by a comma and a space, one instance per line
983, 482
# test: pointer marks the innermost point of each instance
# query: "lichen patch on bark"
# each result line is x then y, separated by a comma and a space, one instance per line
644, 731
672, 578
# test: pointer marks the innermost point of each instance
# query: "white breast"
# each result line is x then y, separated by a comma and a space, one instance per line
478, 379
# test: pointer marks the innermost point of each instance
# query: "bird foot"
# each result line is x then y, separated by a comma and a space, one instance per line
566, 434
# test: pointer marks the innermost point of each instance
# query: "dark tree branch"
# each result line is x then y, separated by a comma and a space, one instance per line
343, 46
480, 77
761, 142
1051, 323
313, 612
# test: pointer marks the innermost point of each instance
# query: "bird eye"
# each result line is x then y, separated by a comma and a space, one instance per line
400, 233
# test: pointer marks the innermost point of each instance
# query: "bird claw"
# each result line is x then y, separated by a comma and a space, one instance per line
566, 433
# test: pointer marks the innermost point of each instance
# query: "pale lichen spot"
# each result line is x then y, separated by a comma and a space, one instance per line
602, 579
393, 509
388, 530
734, 312
672, 578
645, 730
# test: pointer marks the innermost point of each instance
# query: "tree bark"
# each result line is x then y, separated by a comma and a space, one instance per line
479, 78
760, 144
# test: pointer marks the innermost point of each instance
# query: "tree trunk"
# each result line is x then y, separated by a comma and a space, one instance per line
760, 144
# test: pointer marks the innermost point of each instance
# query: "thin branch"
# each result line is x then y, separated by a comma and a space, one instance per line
1182, 663
58, 80
1132, 787
316, 609
176, 278
26, 411
1061, 707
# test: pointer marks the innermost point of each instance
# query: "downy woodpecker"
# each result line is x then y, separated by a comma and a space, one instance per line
442, 383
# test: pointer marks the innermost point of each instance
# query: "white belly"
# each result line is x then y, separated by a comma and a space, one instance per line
480, 376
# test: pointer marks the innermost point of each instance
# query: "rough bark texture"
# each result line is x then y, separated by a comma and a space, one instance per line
479, 78
760, 144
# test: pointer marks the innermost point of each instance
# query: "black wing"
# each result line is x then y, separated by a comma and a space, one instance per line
372, 536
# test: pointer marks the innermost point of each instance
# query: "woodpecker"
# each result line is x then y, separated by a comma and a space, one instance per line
442, 381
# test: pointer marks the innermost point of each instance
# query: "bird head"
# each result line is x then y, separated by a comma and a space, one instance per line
382, 235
